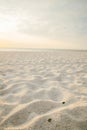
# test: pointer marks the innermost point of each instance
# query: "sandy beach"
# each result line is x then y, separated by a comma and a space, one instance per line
43, 90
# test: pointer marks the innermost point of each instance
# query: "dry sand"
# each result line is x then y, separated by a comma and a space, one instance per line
43, 90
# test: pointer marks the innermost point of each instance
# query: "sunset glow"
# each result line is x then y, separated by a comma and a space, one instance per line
43, 24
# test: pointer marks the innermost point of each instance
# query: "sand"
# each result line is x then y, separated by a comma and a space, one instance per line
43, 90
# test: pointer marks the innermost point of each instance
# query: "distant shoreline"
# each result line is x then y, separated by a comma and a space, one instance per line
37, 49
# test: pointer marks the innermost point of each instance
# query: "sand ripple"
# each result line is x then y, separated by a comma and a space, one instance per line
43, 90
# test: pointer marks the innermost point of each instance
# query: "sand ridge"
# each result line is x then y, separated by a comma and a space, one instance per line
43, 90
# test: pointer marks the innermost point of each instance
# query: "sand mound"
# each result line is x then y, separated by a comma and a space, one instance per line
75, 119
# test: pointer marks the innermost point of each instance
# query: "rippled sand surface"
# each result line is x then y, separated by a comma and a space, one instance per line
43, 90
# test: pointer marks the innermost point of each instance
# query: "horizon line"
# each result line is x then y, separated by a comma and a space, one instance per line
26, 49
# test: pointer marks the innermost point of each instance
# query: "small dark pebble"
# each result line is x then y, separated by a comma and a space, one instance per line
63, 102
49, 120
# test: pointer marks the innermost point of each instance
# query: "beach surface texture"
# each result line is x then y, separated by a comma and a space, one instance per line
43, 90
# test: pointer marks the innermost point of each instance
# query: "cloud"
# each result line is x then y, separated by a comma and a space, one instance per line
58, 19
53, 19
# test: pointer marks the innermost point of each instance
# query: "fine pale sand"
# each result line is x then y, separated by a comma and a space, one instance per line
43, 90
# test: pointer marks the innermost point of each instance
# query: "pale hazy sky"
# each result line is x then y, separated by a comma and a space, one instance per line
43, 24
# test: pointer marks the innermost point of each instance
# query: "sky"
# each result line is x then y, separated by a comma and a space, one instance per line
58, 24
